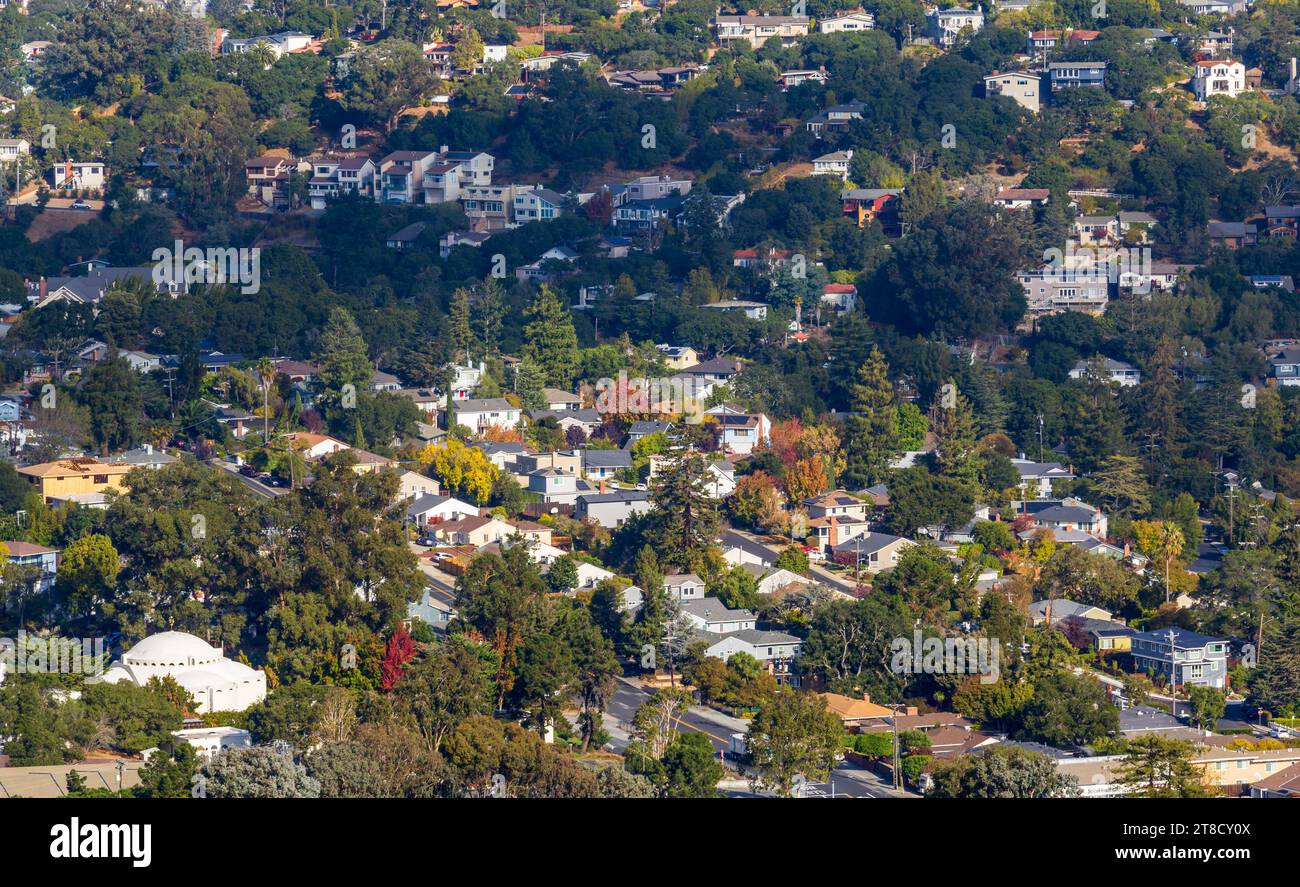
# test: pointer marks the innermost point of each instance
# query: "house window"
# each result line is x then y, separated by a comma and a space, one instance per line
101, 478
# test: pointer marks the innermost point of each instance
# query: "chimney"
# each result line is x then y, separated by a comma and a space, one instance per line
42, 288
911, 711
866, 697
602, 485
148, 449
443, 150
1293, 68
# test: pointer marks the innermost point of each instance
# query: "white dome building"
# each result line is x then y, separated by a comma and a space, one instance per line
215, 682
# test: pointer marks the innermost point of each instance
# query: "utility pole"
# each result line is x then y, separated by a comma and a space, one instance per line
1232, 499
1040, 437
898, 774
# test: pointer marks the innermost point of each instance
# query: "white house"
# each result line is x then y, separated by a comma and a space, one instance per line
434, 509
1222, 77
1117, 371
711, 615
849, 21
684, 587
835, 163
73, 176
773, 647
480, 414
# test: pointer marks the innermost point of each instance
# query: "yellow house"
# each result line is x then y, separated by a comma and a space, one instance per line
79, 480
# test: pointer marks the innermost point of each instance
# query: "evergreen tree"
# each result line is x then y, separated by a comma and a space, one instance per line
549, 338
954, 428
872, 442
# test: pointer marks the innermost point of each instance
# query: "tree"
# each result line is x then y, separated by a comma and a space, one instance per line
169, 773
113, 395
400, 651
686, 513
805, 479
793, 735
1121, 487
346, 770
453, 682
872, 442
919, 498
1208, 705
342, 354
953, 424
1001, 773
1155, 767
385, 79
462, 469
1162, 541
549, 338
654, 726
260, 772
1067, 710
88, 571
691, 767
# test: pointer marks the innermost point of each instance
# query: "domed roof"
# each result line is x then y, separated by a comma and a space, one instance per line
172, 646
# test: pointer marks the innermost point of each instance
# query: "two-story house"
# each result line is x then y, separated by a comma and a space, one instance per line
756, 30
1182, 657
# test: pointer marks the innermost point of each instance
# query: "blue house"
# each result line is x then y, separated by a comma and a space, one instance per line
1065, 75
1182, 657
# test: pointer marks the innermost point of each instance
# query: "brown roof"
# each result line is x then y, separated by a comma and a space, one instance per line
25, 549
73, 468
850, 709
1287, 780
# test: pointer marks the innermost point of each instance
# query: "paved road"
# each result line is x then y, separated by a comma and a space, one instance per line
851, 781
261, 489
627, 698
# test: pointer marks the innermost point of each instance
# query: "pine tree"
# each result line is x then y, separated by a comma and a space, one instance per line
872, 443
549, 338
530, 380
487, 311
953, 424
343, 356
461, 335
687, 514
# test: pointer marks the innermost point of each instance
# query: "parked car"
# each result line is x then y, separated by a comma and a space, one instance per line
80, 204
247, 470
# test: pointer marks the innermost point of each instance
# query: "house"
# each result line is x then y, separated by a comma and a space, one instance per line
775, 649
1117, 371
1065, 515
613, 509
791, 79
81, 480
684, 587
644, 428
874, 552
269, 177
835, 163
501, 454
946, 25
1284, 367
44, 560
401, 176
144, 457
1038, 476
740, 431
770, 581
1022, 87
646, 215
434, 509
833, 531
679, 357
849, 21
1113, 230
332, 177
751, 310
12, 150
91, 287
478, 415
1039, 42
839, 297
711, 615
538, 204
453, 239
605, 464
276, 44
758, 29
315, 446
561, 400
557, 486
1211, 78
867, 205
1021, 198
435, 608
1232, 235
1062, 608
405, 238
854, 712
718, 369
739, 550
413, 486
836, 118
1282, 784
473, 530
1215, 7
71, 175
836, 503
1182, 657
1067, 75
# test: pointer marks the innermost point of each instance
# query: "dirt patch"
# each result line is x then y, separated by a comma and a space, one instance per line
51, 222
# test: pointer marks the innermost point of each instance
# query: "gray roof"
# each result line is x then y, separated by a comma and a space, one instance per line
759, 638
869, 543
607, 458
425, 503
615, 496
713, 610
483, 405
